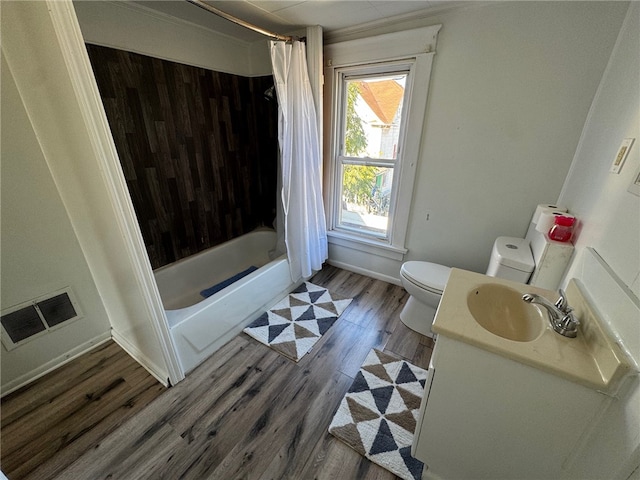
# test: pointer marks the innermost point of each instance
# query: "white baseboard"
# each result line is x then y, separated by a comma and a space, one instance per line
142, 359
57, 362
364, 271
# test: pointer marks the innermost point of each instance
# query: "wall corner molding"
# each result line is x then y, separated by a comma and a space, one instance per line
79, 69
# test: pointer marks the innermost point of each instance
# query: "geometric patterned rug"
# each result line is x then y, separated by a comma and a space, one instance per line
296, 323
378, 415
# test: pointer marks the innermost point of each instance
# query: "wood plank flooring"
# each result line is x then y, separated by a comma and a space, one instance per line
245, 413
49, 423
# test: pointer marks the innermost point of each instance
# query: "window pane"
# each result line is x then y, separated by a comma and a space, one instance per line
366, 194
373, 112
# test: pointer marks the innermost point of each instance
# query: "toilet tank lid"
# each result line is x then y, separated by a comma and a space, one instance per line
432, 275
514, 252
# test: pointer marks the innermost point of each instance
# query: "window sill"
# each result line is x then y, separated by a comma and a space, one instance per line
367, 245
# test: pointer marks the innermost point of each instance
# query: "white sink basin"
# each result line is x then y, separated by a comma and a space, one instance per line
500, 310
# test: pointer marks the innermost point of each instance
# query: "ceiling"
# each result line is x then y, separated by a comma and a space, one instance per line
288, 16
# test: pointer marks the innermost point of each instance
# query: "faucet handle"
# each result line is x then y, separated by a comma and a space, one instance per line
570, 321
569, 325
561, 302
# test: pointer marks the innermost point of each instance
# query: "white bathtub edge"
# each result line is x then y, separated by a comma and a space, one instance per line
215, 324
177, 316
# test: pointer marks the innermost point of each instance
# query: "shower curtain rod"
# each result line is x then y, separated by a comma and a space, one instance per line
242, 23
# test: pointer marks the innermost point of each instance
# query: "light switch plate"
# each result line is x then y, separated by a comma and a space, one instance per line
635, 184
621, 156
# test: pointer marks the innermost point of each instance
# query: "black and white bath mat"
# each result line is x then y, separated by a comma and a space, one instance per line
378, 415
297, 322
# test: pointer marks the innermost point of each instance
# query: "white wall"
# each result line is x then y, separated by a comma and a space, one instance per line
511, 86
135, 28
610, 223
610, 215
260, 59
82, 163
40, 252
43, 47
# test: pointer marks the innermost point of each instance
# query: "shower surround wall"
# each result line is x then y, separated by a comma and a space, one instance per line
198, 149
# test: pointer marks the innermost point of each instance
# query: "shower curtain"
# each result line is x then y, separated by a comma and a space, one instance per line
305, 233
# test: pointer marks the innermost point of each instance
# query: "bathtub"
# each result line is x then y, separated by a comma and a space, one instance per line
199, 326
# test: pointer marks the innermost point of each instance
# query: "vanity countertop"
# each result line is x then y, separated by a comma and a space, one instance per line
592, 359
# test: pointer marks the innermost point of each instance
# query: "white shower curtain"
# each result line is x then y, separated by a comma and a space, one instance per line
305, 231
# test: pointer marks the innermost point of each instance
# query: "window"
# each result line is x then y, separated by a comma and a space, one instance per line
375, 97
370, 144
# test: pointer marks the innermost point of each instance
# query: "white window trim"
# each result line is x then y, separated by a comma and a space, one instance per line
417, 46
406, 67
366, 244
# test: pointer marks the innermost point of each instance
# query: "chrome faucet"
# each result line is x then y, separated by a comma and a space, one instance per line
561, 318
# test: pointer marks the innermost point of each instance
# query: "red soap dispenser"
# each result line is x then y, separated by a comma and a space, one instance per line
562, 229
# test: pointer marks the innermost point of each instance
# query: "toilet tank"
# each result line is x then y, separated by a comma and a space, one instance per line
511, 259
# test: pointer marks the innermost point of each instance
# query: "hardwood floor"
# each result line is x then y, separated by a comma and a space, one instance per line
49, 423
246, 412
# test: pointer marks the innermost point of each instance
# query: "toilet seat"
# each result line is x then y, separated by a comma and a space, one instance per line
426, 275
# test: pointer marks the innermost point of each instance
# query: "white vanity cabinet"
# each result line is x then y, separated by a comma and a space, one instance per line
507, 397
484, 416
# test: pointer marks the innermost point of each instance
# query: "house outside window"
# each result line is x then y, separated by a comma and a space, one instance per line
375, 98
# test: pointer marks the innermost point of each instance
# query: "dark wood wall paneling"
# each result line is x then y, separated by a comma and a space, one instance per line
198, 149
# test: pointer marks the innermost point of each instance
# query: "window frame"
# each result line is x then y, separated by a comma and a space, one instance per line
416, 46
344, 75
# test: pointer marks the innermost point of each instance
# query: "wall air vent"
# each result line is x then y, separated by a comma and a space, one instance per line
34, 318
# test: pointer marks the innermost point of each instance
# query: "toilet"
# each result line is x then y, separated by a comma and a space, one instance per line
511, 259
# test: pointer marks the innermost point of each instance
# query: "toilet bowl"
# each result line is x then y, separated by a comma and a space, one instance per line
424, 282
511, 259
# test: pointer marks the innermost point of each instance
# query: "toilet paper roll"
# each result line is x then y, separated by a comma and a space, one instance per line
545, 207
547, 219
